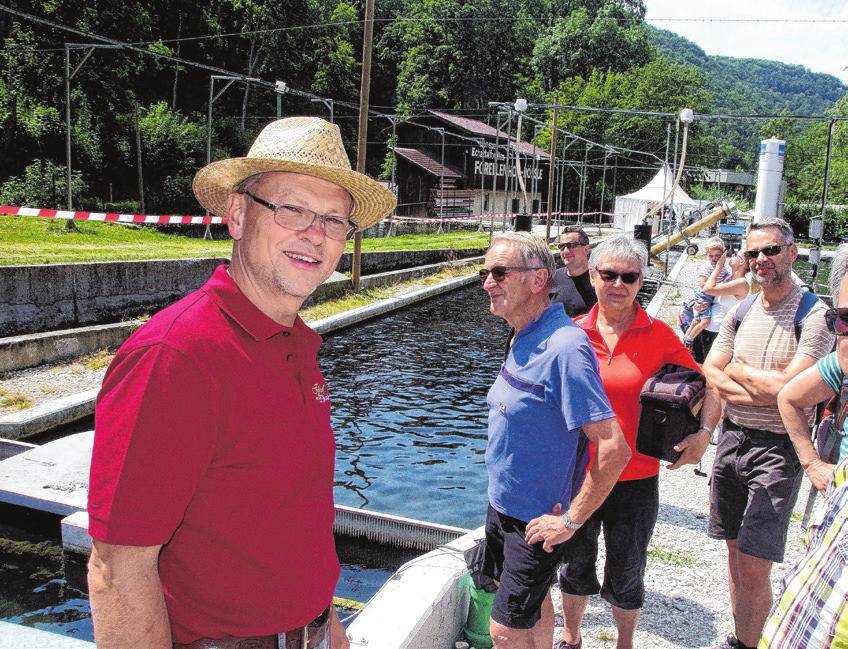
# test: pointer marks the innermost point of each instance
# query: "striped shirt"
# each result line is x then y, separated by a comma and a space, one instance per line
766, 340
707, 269
812, 610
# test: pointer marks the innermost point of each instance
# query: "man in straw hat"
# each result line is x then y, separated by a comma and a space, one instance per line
211, 495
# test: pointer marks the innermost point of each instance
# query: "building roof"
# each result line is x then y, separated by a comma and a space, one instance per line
428, 162
481, 128
477, 127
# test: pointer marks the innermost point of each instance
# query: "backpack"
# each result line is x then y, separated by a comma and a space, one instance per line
808, 301
670, 400
827, 437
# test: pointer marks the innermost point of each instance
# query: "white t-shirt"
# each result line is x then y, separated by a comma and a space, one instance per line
721, 305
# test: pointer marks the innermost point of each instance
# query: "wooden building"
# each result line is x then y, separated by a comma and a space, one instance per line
449, 166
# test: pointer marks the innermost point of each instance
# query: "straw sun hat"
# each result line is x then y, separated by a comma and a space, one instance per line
304, 145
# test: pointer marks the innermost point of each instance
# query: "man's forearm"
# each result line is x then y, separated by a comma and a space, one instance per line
611, 458
761, 385
727, 388
127, 605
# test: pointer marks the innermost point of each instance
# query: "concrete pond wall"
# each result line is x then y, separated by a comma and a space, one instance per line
51, 297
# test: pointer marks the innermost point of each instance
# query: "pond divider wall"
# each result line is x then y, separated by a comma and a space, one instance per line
49, 297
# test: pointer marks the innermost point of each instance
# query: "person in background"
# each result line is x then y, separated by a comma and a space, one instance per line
811, 610
820, 382
715, 252
632, 346
726, 295
756, 474
211, 489
571, 285
546, 397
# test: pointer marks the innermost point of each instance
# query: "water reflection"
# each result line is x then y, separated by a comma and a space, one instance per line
409, 408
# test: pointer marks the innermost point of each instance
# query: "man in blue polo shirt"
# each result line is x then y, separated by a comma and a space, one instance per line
546, 393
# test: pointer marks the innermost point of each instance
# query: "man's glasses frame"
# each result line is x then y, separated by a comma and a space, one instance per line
837, 321
499, 273
609, 276
297, 218
570, 244
768, 251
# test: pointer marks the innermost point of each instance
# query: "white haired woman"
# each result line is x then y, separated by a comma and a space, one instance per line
631, 346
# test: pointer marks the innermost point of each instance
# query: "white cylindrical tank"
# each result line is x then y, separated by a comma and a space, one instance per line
769, 201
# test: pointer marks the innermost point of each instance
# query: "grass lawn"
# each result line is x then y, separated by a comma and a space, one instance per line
35, 240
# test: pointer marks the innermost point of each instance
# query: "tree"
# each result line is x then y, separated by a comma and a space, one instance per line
607, 36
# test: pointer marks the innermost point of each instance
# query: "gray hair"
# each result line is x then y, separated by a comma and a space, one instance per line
838, 269
582, 237
530, 248
620, 248
774, 222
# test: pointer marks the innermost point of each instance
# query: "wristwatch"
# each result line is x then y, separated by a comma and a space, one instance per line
706, 428
570, 524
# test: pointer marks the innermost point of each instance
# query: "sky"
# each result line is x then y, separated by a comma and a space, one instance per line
750, 29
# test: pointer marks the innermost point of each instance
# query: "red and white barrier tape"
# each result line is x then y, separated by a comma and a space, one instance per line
477, 217
115, 218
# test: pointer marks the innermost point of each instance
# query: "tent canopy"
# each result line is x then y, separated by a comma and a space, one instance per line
632, 208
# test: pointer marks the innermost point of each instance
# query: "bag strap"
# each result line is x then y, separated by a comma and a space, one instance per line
808, 301
841, 410
743, 308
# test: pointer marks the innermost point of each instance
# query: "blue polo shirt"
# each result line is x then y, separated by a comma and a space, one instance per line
547, 388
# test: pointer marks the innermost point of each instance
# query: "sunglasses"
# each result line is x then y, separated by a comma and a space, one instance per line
570, 245
610, 276
498, 273
768, 251
837, 321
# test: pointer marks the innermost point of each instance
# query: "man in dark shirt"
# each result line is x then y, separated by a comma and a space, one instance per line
571, 286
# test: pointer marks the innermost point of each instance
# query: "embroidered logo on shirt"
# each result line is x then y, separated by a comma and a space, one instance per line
503, 408
320, 392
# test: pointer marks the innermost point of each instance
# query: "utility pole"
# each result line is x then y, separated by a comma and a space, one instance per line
551, 172
364, 91
138, 157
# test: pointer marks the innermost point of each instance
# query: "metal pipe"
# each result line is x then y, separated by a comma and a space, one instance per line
723, 210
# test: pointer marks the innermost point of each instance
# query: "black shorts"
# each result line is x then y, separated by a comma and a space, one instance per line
525, 572
754, 485
702, 345
628, 516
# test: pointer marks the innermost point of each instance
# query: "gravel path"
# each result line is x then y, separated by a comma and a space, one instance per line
47, 382
687, 602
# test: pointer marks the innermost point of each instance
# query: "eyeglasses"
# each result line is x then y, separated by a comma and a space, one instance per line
610, 276
768, 251
570, 245
837, 321
498, 273
294, 217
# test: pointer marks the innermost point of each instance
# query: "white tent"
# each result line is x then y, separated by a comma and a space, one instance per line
632, 208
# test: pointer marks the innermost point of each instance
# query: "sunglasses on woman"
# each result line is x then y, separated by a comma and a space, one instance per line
499, 273
837, 321
768, 251
610, 276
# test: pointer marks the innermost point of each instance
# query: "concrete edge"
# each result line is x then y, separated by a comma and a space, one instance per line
355, 316
16, 635
656, 303
11, 448
48, 415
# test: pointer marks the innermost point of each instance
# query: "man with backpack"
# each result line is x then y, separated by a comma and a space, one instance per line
756, 475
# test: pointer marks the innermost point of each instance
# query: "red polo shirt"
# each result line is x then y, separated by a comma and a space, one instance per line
213, 437
644, 348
